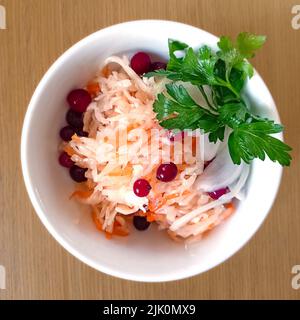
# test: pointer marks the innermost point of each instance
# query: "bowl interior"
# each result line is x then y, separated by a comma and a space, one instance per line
144, 256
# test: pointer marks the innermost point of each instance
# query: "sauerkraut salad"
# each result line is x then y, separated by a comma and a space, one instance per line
131, 170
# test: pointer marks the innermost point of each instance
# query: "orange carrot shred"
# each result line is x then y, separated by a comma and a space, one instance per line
120, 232
75, 138
140, 213
108, 235
229, 210
81, 194
229, 206
70, 151
93, 89
121, 172
151, 217
105, 72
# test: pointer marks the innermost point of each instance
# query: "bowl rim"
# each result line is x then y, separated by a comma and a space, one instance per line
43, 216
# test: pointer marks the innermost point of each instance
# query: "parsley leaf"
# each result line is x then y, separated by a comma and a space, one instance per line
252, 140
217, 134
233, 113
181, 112
248, 43
222, 93
222, 75
194, 67
198, 69
175, 46
234, 55
180, 94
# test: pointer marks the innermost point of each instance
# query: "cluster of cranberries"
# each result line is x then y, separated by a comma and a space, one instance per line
78, 101
141, 63
165, 172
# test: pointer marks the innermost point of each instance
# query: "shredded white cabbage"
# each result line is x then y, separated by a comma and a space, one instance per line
124, 109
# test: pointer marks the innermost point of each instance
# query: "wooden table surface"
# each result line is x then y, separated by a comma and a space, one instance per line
38, 31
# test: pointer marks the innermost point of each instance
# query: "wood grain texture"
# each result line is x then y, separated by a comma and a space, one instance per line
38, 31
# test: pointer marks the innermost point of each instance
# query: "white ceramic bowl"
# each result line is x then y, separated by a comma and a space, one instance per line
143, 256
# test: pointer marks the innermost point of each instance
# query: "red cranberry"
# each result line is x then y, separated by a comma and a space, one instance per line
66, 133
140, 63
206, 163
158, 66
166, 172
65, 160
141, 188
82, 133
78, 174
78, 100
74, 119
140, 223
218, 193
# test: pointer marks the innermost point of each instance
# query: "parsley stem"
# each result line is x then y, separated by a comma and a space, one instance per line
228, 85
214, 98
227, 73
200, 87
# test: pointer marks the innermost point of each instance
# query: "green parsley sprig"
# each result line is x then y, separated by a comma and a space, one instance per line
220, 77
